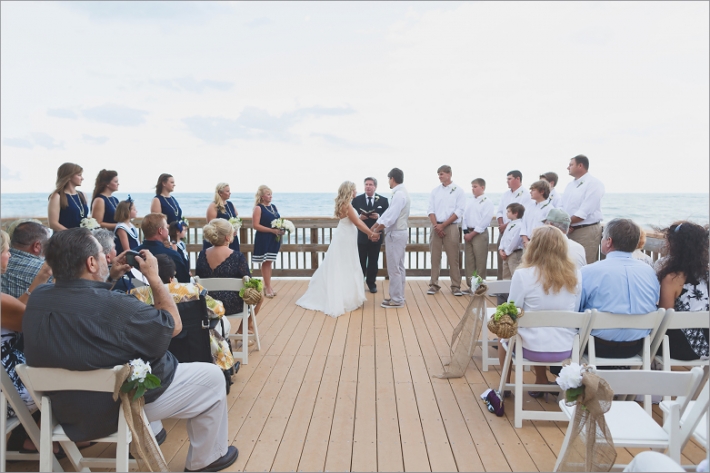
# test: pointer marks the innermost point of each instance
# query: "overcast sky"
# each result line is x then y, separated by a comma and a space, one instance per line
301, 96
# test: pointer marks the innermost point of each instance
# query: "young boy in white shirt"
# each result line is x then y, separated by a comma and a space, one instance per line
511, 244
475, 222
536, 214
555, 197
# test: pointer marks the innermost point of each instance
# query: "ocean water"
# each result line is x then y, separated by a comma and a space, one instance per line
647, 210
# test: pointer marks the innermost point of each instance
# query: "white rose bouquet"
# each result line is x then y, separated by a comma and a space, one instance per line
90, 223
283, 224
476, 281
570, 380
141, 379
236, 223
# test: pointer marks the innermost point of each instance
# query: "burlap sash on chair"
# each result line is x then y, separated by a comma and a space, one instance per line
144, 447
591, 447
467, 332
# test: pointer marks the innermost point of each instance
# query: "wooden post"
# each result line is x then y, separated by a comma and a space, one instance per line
314, 254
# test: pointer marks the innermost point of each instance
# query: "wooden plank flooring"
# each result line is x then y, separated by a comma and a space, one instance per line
356, 393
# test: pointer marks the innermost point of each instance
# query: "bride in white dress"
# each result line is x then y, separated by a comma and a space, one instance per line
337, 285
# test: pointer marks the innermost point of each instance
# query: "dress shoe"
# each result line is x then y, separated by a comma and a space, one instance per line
222, 463
161, 436
373, 289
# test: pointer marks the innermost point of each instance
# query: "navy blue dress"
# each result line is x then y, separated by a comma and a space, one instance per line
170, 207
76, 210
132, 233
266, 248
227, 214
235, 266
110, 204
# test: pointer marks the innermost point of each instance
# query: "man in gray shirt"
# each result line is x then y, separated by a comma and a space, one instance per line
80, 324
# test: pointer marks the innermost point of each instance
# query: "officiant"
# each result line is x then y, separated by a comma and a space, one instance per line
369, 206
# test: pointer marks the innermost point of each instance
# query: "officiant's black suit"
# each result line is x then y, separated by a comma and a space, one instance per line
369, 251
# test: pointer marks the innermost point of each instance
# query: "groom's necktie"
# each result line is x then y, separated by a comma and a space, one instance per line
369, 202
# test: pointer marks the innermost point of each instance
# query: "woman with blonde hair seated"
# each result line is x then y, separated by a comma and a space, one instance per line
220, 261
547, 279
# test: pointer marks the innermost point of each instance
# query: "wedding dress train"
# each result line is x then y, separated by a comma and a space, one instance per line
337, 285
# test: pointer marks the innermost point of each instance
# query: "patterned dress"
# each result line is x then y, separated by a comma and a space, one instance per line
266, 247
692, 298
235, 266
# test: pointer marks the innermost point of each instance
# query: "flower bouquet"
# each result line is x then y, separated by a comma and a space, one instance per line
90, 223
504, 322
236, 223
251, 292
140, 380
570, 380
283, 224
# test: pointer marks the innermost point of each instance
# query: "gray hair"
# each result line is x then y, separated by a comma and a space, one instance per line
105, 238
564, 227
374, 181
68, 250
27, 233
624, 234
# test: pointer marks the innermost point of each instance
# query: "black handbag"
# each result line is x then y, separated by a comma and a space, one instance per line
192, 344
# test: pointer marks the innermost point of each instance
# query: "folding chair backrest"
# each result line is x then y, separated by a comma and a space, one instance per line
682, 384
41, 380
221, 284
556, 318
498, 287
695, 414
676, 320
605, 320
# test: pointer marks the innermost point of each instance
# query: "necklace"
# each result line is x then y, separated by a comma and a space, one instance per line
78, 203
270, 209
175, 208
109, 199
228, 210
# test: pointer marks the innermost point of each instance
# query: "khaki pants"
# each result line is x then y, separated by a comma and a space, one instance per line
450, 243
589, 237
476, 256
511, 264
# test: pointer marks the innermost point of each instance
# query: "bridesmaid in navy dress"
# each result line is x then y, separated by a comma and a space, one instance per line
266, 246
103, 203
165, 203
67, 207
221, 207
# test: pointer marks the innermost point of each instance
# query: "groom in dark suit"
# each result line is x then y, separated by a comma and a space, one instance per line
370, 206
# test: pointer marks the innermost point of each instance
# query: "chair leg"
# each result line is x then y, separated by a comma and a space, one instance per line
245, 339
256, 328
123, 442
565, 444
45, 444
484, 346
519, 388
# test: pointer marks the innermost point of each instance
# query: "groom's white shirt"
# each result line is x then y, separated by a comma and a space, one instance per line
396, 216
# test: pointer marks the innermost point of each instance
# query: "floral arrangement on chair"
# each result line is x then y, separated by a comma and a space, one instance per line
504, 322
141, 379
283, 224
252, 290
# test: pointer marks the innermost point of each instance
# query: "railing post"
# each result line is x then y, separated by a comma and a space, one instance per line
314, 254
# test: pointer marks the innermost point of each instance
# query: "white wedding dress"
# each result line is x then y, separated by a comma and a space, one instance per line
337, 285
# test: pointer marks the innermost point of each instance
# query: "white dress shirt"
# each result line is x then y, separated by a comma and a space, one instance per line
521, 196
527, 293
399, 203
445, 201
534, 216
583, 199
556, 198
478, 214
577, 253
511, 241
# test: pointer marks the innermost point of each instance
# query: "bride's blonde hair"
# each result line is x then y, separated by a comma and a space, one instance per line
345, 196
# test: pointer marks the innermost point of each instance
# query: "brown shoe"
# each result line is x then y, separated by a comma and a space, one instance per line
222, 463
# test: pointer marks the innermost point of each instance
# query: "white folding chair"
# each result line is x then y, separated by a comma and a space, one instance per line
629, 424
10, 396
694, 419
494, 287
673, 321
40, 381
604, 320
546, 318
235, 285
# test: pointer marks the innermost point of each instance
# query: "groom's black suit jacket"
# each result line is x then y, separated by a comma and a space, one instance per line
379, 205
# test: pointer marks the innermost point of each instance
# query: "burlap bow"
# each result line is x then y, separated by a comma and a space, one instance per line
144, 447
591, 447
467, 332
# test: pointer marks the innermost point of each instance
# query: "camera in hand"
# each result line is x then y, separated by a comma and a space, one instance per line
131, 258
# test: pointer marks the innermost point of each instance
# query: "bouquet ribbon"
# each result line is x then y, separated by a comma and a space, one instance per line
144, 447
591, 447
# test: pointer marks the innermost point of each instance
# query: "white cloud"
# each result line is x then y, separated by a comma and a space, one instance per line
115, 115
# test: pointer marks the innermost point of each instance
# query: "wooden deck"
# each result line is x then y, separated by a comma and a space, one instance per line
356, 393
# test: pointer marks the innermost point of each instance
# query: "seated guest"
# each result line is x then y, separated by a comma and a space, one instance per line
220, 261
12, 304
619, 284
126, 233
79, 324
638, 252
183, 292
547, 279
559, 219
684, 285
156, 237
178, 231
27, 250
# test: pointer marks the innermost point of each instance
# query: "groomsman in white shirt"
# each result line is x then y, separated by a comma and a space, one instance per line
395, 221
515, 194
552, 178
475, 222
582, 201
446, 205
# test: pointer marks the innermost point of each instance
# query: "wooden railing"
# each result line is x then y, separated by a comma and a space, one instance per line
302, 252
